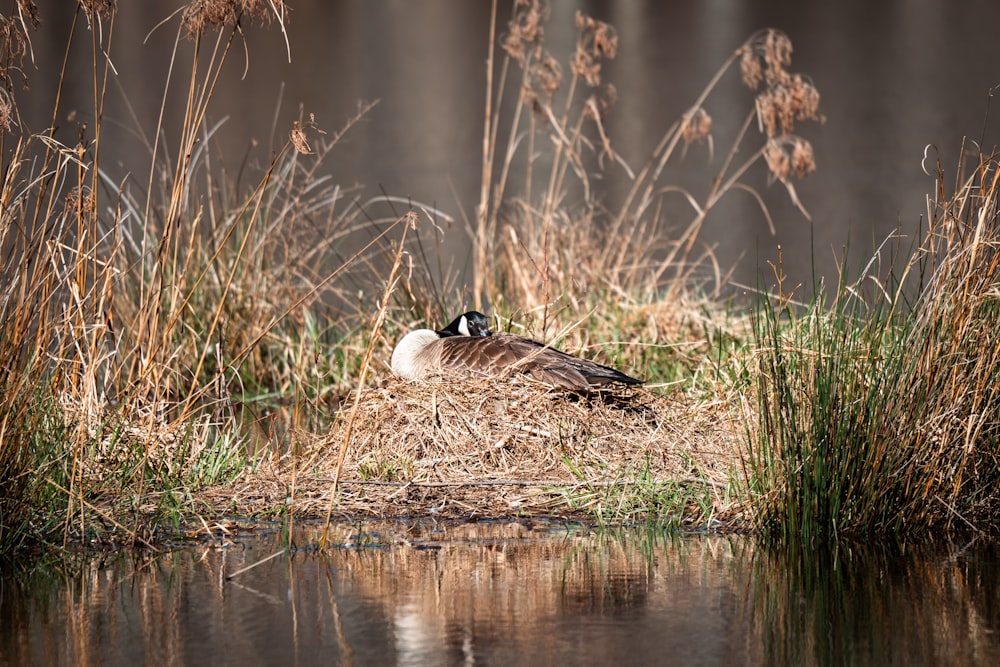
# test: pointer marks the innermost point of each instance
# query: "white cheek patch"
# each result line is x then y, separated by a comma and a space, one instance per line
463, 326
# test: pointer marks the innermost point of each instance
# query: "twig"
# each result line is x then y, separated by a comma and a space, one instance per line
133, 534
955, 512
250, 567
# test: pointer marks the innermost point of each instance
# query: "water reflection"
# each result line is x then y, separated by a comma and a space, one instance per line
509, 593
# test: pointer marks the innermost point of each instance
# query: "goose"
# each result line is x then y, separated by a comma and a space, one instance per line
468, 345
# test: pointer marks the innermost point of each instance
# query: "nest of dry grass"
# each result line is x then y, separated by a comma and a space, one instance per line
499, 448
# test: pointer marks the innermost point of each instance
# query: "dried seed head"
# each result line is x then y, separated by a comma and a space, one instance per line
608, 97
546, 75
585, 68
804, 99
789, 157
779, 107
100, 8
750, 67
14, 46
6, 112
697, 125
30, 11
802, 157
777, 160
598, 41
80, 202
524, 44
202, 14
783, 99
525, 31
777, 54
298, 136
299, 139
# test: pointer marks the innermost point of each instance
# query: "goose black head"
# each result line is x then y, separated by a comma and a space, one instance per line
472, 323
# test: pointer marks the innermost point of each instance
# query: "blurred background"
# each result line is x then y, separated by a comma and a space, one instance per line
896, 77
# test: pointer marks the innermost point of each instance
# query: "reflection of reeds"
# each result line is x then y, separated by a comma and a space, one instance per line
404, 589
871, 604
387, 592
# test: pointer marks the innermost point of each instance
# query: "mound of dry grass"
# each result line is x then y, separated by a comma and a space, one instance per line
446, 447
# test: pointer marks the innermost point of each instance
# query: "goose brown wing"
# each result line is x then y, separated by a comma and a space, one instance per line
544, 364
481, 354
501, 353
591, 373
560, 369
498, 353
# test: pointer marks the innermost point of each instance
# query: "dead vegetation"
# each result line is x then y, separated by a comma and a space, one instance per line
442, 447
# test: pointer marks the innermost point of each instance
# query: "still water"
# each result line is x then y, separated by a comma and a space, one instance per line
421, 593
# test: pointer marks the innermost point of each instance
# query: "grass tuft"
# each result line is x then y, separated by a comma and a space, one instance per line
876, 408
